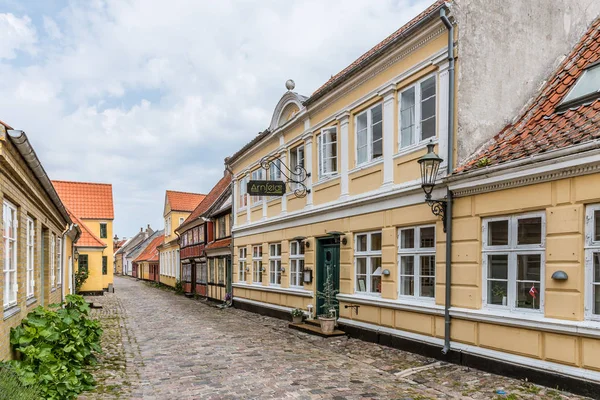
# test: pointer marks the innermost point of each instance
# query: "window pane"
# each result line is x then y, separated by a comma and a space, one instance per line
361, 242
528, 267
427, 265
407, 117
588, 82
376, 242
427, 287
497, 292
597, 226
528, 295
375, 279
428, 105
376, 114
428, 88
293, 248
428, 237
530, 231
596, 295
498, 233
361, 266
428, 128
498, 266
361, 155
597, 267
378, 146
407, 239
377, 130
407, 265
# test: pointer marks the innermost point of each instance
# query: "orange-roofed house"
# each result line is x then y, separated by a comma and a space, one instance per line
91, 205
146, 264
178, 206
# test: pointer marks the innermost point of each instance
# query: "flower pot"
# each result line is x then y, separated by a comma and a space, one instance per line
327, 324
297, 320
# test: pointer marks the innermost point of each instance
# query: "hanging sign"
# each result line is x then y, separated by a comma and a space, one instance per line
266, 188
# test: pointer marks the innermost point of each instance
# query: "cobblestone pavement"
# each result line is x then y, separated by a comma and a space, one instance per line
158, 345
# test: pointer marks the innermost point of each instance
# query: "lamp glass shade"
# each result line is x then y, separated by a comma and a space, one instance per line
430, 164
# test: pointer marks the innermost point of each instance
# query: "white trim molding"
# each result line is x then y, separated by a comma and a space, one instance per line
275, 289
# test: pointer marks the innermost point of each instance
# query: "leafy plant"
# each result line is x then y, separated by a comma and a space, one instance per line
80, 277
11, 387
483, 162
328, 296
179, 287
55, 345
296, 312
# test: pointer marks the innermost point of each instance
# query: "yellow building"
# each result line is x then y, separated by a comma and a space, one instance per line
92, 205
355, 207
178, 206
38, 235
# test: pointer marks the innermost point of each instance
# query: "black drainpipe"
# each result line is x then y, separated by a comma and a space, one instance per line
448, 213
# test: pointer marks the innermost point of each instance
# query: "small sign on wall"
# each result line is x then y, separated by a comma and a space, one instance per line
266, 188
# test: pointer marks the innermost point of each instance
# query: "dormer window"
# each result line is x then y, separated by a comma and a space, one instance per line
586, 88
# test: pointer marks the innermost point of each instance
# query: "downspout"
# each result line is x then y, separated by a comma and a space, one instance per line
232, 184
450, 158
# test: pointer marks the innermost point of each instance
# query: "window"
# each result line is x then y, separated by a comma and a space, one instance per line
275, 170
83, 262
257, 175
9, 234
200, 231
257, 264
30, 257
367, 261
52, 258
242, 265
221, 270
513, 262
211, 270
327, 148
181, 219
296, 262
103, 233
222, 225
104, 265
592, 263
275, 264
587, 86
167, 226
416, 261
243, 191
201, 277
187, 273
296, 164
369, 134
417, 112
59, 261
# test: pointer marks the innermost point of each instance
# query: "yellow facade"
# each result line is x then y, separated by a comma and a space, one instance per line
96, 282
94, 226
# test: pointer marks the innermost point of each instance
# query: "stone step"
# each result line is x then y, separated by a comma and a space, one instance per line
315, 329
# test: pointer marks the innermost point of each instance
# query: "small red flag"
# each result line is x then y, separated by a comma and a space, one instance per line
533, 292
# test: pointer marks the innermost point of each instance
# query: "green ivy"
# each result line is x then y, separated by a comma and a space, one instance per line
80, 277
55, 345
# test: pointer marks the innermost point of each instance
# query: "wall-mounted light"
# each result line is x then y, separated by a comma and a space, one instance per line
560, 276
307, 243
76, 255
430, 164
339, 237
281, 269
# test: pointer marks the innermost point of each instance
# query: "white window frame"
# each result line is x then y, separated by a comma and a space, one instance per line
242, 253
369, 255
513, 250
52, 260
257, 264
417, 117
274, 264
369, 128
296, 151
167, 226
591, 246
321, 146
416, 252
243, 200
181, 219
10, 271
257, 175
296, 263
59, 262
30, 257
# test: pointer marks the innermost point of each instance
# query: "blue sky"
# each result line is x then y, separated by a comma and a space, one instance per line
153, 95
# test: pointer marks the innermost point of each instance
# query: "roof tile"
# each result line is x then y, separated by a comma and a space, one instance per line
150, 253
208, 201
184, 201
87, 200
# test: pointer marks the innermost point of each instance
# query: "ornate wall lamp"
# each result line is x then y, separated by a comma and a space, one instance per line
430, 164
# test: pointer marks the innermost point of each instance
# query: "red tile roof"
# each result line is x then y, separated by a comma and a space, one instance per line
219, 244
150, 253
87, 238
375, 51
542, 128
87, 200
183, 201
211, 197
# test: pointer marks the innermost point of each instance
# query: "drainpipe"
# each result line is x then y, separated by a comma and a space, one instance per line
450, 158
230, 278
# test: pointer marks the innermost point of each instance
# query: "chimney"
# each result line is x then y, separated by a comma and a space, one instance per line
142, 229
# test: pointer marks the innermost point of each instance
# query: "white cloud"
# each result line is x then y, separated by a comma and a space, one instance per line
153, 95
18, 34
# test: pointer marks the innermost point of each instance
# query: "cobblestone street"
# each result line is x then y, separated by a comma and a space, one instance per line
159, 345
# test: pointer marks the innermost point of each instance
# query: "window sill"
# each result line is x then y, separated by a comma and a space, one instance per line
256, 205
30, 301
275, 289
415, 147
369, 164
10, 311
425, 306
326, 179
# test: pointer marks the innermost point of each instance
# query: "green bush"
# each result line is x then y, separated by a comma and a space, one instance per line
55, 345
80, 278
11, 387
179, 287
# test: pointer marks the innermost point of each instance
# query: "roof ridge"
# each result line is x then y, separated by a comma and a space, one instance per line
82, 182
179, 191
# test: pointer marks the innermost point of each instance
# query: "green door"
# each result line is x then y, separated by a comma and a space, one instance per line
328, 261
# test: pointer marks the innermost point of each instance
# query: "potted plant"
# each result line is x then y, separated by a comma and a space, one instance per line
499, 291
297, 315
327, 319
